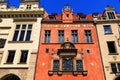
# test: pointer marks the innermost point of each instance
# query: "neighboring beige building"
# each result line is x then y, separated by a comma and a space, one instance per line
19, 39
108, 30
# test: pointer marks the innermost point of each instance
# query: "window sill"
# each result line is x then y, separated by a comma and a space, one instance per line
113, 54
108, 33
20, 41
9, 63
50, 72
22, 63
114, 73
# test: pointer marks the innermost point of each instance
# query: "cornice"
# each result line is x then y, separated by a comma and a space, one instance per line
22, 12
24, 19
19, 14
106, 21
60, 21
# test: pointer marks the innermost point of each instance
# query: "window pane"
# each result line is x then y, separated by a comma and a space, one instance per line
111, 47
56, 65
119, 67
23, 56
22, 35
17, 26
23, 26
60, 36
74, 36
111, 15
30, 26
15, 36
79, 65
10, 56
47, 36
88, 36
107, 30
67, 64
28, 35
113, 67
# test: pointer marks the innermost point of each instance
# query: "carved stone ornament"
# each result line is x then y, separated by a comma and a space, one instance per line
2, 42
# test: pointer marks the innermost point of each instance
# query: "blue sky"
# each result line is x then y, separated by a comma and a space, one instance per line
84, 6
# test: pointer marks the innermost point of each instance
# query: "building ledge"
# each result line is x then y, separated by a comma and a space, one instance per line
113, 54
75, 73
20, 41
73, 43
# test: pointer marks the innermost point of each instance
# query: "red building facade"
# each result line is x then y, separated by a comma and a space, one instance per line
69, 48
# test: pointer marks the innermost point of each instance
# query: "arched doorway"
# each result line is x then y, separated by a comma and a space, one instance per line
118, 78
10, 77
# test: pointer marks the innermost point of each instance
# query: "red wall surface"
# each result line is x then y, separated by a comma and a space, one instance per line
92, 61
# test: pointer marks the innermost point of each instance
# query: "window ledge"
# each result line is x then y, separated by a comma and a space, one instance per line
13, 67
113, 54
9, 63
73, 43
115, 73
50, 72
108, 34
22, 63
20, 41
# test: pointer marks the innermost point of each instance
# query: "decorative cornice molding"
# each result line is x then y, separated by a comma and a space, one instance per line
25, 20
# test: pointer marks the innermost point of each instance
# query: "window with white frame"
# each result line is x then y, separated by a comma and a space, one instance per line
28, 6
47, 36
115, 67
111, 15
107, 29
74, 35
61, 36
24, 54
22, 32
10, 58
88, 36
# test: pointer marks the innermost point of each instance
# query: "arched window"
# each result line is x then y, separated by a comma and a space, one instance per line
10, 77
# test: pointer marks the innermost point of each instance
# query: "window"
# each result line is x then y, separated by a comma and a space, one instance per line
52, 18
111, 47
47, 50
74, 36
67, 16
10, 57
111, 15
28, 7
60, 36
67, 64
47, 36
56, 65
22, 32
24, 55
107, 29
79, 65
88, 36
115, 67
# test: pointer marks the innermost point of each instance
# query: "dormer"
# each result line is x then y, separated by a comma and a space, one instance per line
29, 4
109, 13
95, 16
52, 16
67, 14
3, 4
81, 16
